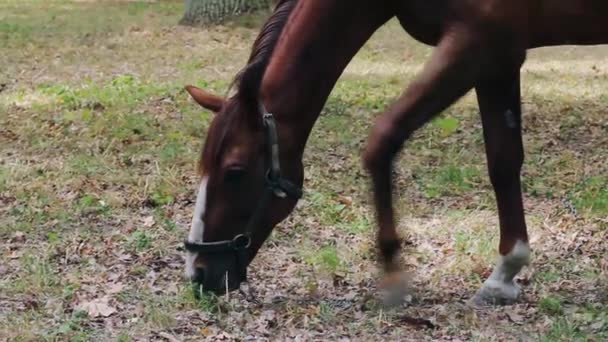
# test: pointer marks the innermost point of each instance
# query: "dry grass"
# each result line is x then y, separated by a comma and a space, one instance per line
98, 145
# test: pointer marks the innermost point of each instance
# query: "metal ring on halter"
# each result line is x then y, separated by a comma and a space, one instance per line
241, 241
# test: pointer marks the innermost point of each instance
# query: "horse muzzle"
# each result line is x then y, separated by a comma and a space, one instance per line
220, 277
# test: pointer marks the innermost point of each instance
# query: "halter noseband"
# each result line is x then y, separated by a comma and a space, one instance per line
276, 185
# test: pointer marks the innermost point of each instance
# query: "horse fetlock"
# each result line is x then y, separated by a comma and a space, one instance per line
510, 264
389, 250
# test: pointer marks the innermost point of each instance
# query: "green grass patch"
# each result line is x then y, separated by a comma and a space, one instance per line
4, 177
592, 195
123, 91
329, 210
141, 240
325, 259
46, 23
39, 277
551, 306
447, 126
74, 328
450, 180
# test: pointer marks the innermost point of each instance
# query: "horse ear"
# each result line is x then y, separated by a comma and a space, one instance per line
209, 101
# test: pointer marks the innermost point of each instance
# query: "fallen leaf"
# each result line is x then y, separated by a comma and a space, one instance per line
350, 295
167, 336
31, 302
115, 288
14, 254
597, 325
515, 317
268, 319
223, 336
206, 332
19, 237
99, 307
346, 200
148, 221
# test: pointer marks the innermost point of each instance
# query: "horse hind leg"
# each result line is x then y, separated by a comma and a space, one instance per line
500, 106
451, 72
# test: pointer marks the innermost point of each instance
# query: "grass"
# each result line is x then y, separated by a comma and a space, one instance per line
592, 195
98, 146
551, 306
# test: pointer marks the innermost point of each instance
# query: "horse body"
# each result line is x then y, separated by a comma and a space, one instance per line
540, 22
480, 45
581, 22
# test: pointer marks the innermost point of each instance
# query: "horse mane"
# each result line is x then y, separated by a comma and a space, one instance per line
249, 79
247, 82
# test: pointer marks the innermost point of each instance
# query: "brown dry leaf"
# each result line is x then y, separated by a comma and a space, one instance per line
515, 317
346, 200
115, 288
167, 336
99, 307
148, 221
206, 331
482, 270
14, 254
267, 319
223, 336
19, 237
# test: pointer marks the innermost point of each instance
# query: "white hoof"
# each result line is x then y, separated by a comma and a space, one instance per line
395, 289
500, 288
495, 293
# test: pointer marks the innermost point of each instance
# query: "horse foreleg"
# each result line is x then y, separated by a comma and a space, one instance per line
500, 105
451, 72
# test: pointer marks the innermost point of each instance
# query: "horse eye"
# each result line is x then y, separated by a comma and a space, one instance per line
234, 174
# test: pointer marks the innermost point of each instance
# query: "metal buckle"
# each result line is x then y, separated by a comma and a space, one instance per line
241, 242
274, 185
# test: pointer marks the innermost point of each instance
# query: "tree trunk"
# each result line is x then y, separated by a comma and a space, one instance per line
204, 12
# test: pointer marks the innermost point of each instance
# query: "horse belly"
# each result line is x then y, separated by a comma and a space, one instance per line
423, 20
574, 22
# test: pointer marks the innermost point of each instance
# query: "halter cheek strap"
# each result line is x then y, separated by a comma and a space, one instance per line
281, 186
276, 185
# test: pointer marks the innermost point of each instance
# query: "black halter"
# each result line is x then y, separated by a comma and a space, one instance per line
275, 185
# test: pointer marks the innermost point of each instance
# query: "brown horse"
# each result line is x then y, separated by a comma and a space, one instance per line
249, 185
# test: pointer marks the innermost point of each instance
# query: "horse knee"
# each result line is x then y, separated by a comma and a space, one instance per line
381, 148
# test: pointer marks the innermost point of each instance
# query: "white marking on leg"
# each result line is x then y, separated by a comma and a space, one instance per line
197, 228
509, 265
500, 285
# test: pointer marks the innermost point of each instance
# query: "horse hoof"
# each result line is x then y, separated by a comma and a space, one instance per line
395, 289
495, 293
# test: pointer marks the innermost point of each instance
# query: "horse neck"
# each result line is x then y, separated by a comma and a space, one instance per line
317, 43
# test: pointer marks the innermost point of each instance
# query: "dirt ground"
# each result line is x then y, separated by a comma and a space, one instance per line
98, 147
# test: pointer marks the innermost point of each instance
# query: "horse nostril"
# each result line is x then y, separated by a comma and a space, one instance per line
199, 275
